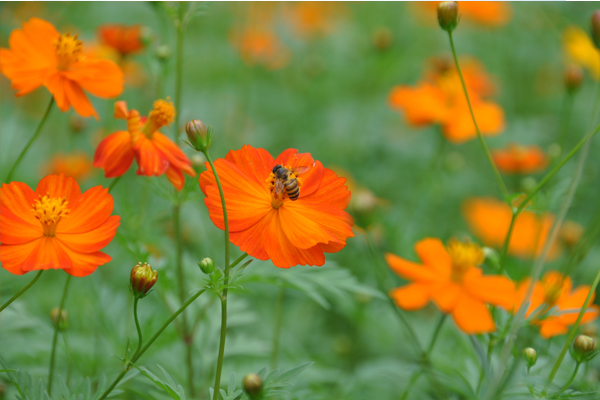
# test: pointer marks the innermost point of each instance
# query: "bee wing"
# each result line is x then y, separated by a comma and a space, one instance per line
300, 170
278, 186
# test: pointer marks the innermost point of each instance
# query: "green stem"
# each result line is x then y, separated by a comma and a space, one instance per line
137, 326
55, 337
225, 282
479, 136
438, 328
507, 242
277, 328
565, 119
33, 138
566, 386
150, 342
178, 70
114, 182
573, 330
239, 260
413, 379
20, 292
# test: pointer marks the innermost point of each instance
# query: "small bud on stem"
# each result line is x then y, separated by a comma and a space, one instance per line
448, 15
143, 277
583, 348
596, 28
253, 385
530, 356
573, 78
198, 134
61, 322
207, 265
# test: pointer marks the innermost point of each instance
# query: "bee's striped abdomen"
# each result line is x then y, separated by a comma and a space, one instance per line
291, 188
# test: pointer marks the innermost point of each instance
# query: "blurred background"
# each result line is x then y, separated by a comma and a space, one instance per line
316, 77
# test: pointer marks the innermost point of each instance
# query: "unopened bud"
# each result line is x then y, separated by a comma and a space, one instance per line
596, 28
198, 134
382, 38
448, 15
143, 277
207, 265
61, 322
583, 348
573, 78
163, 52
253, 385
146, 35
530, 356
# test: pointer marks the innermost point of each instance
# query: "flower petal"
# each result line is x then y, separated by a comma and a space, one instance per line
301, 228
256, 163
59, 186
434, 255
88, 212
446, 295
496, 290
552, 327
17, 223
472, 316
411, 297
12, 257
330, 190
151, 161
93, 240
114, 154
47, 254
408, 269
85, 263
102, 78
78, 99
174, 154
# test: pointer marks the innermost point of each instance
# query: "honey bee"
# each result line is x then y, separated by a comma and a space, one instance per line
286, 179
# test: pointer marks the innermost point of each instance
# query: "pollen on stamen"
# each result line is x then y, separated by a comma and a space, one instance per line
163, 112
49, 211
68, 50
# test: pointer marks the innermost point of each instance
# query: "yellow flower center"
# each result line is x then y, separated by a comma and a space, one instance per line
68, 50
464, 256
162, 114
49, 211
277, 199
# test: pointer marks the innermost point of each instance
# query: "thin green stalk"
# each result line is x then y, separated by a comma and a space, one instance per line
438, 328
178, 69
137, 326
20, 292
413, 379
150, 342
507, 242
239, 260
566, 386
565, 119
33, 138
277, 327
479, 136
573, 330
225, 282
55, 337
114, 182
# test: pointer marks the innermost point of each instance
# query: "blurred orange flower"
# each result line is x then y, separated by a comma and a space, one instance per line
555, 290
489, 13
77, 165
134, 74
450, 277
268, 225
489, 219
259, 45
312, 18
39, 55
579, 49
55, 227
125, 39
439, 99
518, 159
155, 153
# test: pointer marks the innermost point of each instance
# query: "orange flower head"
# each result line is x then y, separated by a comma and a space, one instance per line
570, 233
40, 56
76, 165
486, 13
154, 152
554, 304
292, 225
312, 18
261, 46
124, 39
489, 219
55, 227
450, 277
518, 159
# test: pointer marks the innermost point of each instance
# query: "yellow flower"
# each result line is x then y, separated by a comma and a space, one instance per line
580, 49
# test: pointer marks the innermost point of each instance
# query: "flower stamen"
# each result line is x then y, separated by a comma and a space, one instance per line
464, 256
162, 114
49, 211
68, 50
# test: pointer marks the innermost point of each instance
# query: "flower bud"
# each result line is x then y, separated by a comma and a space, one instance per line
596, 28
163, 52
530, 356
60, 322
207, 265
382, 38
448, 15
573, 78
198, 134
146, 35
583, 348
143, 277
253, 385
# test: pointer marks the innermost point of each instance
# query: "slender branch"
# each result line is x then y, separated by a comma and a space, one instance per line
565, 119
30, 142
225, 281
20, 292
114, 182
479, 136
277, 327
438, 328
137, 326
55, 337
178, 69
566, 386
150, 342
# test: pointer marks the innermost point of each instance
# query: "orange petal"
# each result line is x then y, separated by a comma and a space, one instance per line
93, 240
88, 212
330, 190
552, 327
114, 154
174, 154
151, 161
411, 297
77, 98
85, 263
59, 186
409, 270
17, 224
433, 254
446, 295
422, 105
472, 316
48, 254
175, 176
305, 227
102, 78
12, 257
496, 290
256, 163
459, 127
55, 83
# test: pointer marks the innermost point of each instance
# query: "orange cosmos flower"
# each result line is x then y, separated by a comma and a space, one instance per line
580, 50
439, 99
488, 13
268, 225
123, 38
155, 153
554, 294
77, 165
312, 18
518, 159
490, 219
450, 277
39, 55
261, 46
55, 227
